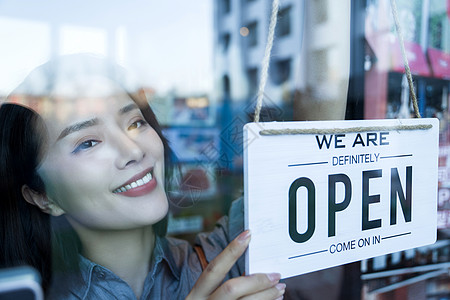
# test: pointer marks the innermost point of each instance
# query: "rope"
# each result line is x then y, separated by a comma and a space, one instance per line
266, 59
343, 130
405, 59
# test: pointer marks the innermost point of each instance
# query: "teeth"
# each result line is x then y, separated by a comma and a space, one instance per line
134, 184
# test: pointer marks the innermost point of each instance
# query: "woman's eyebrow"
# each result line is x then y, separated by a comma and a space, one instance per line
128, 108
77, 127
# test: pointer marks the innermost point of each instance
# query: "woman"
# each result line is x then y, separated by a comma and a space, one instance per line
98, 169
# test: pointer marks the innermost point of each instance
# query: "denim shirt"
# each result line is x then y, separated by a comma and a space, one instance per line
174, 268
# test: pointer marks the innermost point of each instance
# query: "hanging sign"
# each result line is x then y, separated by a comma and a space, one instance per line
322, 194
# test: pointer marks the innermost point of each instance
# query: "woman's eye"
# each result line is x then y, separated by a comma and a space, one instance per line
86, 145
137, 124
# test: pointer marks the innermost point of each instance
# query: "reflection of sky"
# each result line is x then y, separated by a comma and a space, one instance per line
167, 43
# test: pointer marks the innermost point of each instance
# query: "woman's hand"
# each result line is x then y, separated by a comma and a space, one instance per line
256, 286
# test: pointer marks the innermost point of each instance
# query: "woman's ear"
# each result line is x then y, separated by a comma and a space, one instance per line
42, 201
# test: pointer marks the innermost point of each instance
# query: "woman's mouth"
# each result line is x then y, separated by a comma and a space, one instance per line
143, 184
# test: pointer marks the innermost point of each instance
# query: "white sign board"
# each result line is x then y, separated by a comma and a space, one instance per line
322, 194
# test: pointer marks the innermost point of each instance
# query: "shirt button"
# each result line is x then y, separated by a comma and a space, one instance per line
101, 274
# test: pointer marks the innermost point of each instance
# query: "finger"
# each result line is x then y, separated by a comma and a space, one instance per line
272, 293
218, 268
247, 285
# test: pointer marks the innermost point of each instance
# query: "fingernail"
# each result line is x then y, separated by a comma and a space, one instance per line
244, 236
274, 277
281, 286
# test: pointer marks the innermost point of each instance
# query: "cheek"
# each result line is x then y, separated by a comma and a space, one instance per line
67, 182
155, 149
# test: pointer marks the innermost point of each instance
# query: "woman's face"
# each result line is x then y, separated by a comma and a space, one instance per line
105, 165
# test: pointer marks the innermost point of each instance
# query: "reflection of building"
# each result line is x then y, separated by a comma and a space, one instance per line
309, 66
240, 38
302, 60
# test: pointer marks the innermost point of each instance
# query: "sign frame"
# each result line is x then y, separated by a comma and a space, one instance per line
400, 156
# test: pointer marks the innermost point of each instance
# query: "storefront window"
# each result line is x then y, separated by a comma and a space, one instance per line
425, 27
199, 63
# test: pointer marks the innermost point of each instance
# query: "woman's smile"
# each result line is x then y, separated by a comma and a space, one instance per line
139, 185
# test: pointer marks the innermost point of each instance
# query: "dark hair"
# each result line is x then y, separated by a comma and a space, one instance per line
25, 230
27, 233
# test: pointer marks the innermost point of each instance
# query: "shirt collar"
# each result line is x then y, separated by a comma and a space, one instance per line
86, 270
161, 251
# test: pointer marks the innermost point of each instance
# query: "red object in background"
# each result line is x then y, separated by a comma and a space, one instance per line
448, 8
440, 63
196, 180
416, 58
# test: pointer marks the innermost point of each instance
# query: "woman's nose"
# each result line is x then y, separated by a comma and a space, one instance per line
129, 152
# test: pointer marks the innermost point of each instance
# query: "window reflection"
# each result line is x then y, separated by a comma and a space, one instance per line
201, 65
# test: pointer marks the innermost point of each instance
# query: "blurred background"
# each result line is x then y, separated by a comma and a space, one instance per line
200, 64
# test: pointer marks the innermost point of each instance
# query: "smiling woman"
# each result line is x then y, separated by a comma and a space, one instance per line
83, 170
